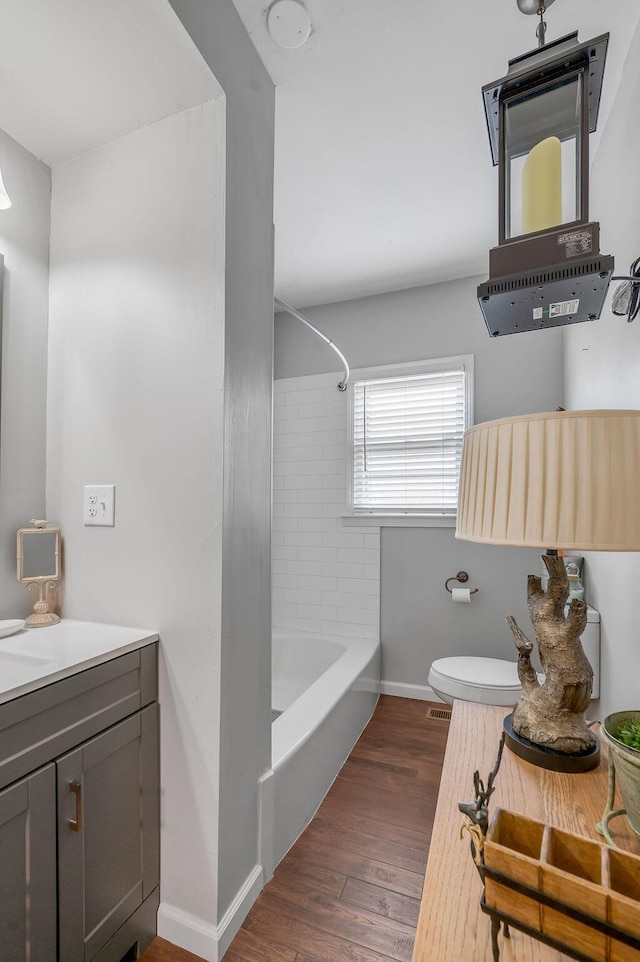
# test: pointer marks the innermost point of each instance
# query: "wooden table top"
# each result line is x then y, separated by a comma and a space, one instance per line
452, 927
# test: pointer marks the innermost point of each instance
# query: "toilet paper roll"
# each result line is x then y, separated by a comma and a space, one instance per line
461, 595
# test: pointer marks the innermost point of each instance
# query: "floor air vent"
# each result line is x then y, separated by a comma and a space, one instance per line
442, 713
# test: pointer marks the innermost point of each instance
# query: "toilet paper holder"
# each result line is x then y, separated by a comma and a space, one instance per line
462, 577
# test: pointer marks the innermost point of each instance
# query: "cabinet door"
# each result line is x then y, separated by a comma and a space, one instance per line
107, 833
28, 869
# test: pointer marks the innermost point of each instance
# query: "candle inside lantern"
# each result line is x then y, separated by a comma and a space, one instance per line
542, 186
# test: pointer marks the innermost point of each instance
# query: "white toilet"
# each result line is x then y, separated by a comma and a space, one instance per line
494, 681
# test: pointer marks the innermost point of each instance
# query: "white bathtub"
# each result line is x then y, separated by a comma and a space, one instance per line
326, 688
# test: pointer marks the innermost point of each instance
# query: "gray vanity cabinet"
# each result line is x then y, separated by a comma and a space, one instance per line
28, 869
107, 864
79, 860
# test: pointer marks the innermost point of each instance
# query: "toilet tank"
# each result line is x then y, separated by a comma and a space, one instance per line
591, 645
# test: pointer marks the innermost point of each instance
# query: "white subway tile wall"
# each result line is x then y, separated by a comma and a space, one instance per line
325, 577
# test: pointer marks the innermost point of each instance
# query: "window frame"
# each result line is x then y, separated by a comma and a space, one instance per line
427, 366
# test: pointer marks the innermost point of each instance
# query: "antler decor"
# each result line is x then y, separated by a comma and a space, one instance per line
476, 813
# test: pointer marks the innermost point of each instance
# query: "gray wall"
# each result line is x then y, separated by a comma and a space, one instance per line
603, 371
24, 242
245, 728
516, 374
135, 398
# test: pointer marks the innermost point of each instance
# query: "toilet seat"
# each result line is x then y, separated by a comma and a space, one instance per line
488, 681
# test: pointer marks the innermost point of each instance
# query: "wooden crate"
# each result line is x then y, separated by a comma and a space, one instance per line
578, 893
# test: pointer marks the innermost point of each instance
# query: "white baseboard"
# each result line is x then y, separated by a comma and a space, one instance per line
239, 909
398, 688
188, 931
266, 823
208, 941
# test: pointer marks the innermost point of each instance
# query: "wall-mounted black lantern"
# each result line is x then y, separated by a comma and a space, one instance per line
547, 269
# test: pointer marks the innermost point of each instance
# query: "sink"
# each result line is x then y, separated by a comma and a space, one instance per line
34, 657
21, 667
17, 652
38, 644
20, 664
19, 659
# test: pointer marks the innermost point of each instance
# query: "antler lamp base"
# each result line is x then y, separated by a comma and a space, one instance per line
549, 758
547, 726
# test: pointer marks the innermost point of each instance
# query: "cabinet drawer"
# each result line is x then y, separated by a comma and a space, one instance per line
43, 724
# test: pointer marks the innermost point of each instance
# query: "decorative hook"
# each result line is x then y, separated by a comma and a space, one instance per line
462, 577
537, 8
541, 31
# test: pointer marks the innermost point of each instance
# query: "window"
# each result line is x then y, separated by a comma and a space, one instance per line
407, 425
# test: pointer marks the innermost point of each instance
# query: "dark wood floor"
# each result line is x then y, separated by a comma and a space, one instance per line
349, 889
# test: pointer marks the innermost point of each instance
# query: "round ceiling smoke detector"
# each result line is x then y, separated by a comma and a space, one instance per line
289, 23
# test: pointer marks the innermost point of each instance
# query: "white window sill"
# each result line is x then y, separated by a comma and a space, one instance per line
399, 520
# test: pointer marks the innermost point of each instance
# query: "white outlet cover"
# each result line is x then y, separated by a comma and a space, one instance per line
99, 505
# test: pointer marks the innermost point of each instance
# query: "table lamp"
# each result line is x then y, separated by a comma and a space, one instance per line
566, 480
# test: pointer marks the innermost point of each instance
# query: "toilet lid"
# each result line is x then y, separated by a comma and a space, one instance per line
479, 672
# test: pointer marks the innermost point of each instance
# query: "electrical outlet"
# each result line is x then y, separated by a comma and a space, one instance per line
99, 504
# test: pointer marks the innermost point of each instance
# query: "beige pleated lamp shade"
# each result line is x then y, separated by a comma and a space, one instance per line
567, 480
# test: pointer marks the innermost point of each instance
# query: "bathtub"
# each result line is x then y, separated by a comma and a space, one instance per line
326, 688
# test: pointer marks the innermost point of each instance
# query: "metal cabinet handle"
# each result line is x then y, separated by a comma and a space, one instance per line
75, 824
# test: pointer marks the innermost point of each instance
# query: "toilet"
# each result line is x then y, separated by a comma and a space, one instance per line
494, 681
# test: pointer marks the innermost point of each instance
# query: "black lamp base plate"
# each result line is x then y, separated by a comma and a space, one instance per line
547, 757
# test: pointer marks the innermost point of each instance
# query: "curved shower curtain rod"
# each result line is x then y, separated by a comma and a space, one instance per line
342, 385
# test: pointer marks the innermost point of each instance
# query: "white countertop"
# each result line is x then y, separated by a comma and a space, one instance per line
34, 657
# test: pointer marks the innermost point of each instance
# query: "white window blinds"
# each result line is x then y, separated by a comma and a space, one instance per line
407, 441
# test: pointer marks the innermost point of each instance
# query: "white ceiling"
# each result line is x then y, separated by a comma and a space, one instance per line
383, 170
78, 73
383, 174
